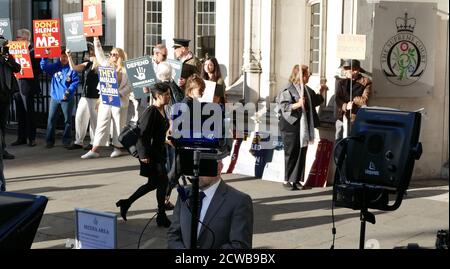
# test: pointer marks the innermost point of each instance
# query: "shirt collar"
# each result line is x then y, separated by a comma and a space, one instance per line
212, 190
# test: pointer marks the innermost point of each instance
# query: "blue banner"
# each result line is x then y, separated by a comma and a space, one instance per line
109, 87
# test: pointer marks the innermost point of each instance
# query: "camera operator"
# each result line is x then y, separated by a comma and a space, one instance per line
8, 85
225, 214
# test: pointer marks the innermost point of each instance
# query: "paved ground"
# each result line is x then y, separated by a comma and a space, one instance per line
283, 219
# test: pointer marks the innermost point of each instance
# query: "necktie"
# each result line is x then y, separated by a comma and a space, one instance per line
202, 196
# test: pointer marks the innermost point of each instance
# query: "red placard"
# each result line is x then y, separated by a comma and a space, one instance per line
47, 38
19, 50
92, 16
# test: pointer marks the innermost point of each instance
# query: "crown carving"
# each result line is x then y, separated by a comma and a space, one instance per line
405, 24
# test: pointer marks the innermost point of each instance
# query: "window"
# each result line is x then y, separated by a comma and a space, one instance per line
41, 10
314, 57
153, 25
205, 28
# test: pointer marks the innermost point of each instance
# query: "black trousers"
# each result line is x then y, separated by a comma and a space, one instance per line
25, 116
157, 180
4, 112
294, 157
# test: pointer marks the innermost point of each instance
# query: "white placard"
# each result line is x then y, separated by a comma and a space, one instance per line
351, 47
95, 230
210, 90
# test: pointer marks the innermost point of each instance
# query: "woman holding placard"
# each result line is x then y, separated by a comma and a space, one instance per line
108, 114
211, 72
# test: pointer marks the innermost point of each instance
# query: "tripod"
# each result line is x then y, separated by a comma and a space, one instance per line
194, 199
365, 217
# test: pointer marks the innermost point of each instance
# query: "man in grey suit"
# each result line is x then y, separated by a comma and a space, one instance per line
226, 214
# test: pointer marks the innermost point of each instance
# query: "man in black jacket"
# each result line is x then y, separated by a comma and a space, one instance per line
24, 99
8, 85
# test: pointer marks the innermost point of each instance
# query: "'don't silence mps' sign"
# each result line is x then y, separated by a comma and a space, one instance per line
404, 46
140, 74
73, 29
19, 50
109, 86
47, 38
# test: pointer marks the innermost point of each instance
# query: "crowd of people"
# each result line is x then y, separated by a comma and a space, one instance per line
298, 120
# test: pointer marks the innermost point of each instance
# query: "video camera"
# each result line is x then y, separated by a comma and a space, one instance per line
4, 49
202, 128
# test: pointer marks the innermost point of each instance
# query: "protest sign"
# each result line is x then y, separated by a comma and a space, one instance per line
93, 25
351, 47
109, 86
210, 89
5, 28
140, 74
47, 38
19, 50
177, 67
73, 29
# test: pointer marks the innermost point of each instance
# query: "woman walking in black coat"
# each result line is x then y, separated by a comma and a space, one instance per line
153, 126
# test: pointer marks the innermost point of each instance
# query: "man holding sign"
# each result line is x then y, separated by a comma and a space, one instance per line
28, 80
63, 87
47, 38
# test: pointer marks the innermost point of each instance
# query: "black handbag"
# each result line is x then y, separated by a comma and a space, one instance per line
129, 138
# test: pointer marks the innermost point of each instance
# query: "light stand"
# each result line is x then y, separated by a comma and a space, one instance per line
194, 199
365, 216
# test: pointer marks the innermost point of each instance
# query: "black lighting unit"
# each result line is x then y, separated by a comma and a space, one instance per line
20, 216
376, 162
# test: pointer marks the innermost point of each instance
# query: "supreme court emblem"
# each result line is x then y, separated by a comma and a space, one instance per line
404, 56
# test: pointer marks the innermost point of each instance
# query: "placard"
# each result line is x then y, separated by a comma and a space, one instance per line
177, 68
208, 95
93, 24
140, 74
109, 86
351, 47
5, 28
95, 230
47, 38
19, 50
73, 29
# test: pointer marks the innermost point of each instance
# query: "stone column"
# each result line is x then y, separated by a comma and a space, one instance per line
252, 51
230, 38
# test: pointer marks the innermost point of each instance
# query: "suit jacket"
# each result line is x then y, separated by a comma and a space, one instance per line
229, 216
290, 118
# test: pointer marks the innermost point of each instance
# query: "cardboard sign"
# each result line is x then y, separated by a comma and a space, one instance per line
92, 10
47, 38
210, 89
19, 50
73, 29
109, 86
5, 29
140, 74
95, 230
177, 68
351, 47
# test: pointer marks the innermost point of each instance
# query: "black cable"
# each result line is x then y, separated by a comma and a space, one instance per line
145, 228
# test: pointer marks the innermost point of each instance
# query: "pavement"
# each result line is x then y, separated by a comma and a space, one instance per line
282, 219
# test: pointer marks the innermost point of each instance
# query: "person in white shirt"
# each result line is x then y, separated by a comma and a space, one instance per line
107, 114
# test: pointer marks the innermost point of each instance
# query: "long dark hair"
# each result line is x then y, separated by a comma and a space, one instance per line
216, 75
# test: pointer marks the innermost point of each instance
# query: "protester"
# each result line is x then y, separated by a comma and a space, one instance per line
153, 126
356, 85
211, 72
108, 115
24, 99
225, 217
8, 85
63, 88
299, 118
87, 106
